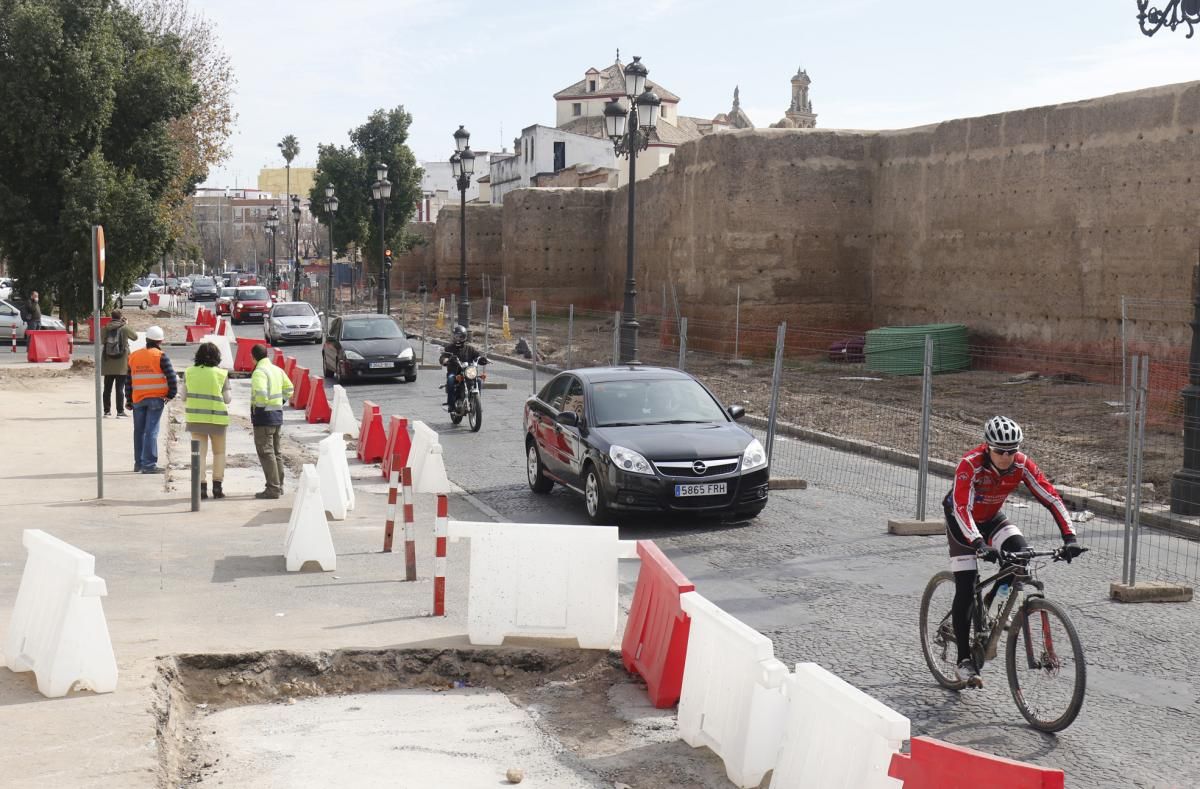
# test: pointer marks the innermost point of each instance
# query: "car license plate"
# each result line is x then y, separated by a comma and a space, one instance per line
702, 489
380, 365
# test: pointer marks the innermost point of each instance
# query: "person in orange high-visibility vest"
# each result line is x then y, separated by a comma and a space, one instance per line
151, 383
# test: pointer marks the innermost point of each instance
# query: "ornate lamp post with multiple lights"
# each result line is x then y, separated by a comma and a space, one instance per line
629, 126
381, 190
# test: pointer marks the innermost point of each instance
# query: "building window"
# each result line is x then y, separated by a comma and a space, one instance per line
591, 86
576, 109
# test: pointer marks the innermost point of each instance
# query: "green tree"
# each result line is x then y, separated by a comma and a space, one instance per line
289, 146
342, 167
89, 95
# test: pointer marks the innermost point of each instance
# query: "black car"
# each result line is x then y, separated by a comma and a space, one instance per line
204, 289
367, 346
643, 439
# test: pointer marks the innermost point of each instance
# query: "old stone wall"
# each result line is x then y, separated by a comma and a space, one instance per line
1027, 226
484, 248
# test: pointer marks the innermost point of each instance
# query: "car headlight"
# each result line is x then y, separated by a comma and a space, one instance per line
628, 460
407, 353
240, 305
353, 355
754, 456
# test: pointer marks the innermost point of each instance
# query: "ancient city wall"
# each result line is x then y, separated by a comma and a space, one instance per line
1027, 225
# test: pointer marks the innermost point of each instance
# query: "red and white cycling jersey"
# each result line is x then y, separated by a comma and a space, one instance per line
980, 491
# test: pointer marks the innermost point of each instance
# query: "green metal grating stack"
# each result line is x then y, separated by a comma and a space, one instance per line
900, 350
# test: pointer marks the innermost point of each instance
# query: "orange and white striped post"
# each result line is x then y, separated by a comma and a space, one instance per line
439, 562
14, 338
410, 529
393, 483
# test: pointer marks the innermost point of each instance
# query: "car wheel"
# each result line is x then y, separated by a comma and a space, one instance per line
319, 341
593, 497
338, 377
410, 377
145, 303
535, 472
120, 304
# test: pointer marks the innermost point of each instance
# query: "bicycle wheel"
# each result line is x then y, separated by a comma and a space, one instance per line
1046, 669
937, 630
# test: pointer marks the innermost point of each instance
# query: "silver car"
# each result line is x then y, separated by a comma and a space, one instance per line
12, 323
137, 296
293, 321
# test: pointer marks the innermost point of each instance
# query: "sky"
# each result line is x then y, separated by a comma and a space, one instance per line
316, 70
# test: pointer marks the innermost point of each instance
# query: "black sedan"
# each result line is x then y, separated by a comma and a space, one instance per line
367, 346
643, 439
204, 289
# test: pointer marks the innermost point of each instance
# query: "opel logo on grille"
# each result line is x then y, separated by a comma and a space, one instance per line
699, 467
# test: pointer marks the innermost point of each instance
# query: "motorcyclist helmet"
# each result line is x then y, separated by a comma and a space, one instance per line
459, 333
1002, 433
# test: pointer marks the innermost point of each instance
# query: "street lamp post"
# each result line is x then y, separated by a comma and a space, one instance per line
273, 229
629, 128
296, 247
381, 190
462, 164
331, 207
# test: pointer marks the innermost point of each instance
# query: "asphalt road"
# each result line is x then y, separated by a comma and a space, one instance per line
817, 573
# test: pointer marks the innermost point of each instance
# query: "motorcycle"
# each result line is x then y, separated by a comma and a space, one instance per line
468, 386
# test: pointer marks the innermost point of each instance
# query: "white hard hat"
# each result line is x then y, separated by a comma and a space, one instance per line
154, 333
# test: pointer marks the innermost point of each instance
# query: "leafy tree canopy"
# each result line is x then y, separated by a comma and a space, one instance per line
89, 96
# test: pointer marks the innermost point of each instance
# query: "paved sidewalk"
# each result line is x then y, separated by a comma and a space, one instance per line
179, 581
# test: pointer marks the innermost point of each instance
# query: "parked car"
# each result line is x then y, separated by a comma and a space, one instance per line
6, 287
12, 321
250, 304
367, 346
204, 289
225, 301
293, 321
137, 296
643, 439
153, 284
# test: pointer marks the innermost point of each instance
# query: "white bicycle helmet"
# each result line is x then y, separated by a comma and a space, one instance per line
1002, 433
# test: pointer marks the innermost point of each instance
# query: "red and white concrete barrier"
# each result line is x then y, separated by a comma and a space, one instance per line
390, 526
439, 561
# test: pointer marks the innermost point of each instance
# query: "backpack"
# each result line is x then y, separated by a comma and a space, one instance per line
115, 343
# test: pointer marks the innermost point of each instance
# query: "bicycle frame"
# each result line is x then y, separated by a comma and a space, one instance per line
1019, 577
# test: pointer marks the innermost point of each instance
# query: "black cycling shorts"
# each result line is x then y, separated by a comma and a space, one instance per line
995, 530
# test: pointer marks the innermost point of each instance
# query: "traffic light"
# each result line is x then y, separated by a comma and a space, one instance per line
387, 259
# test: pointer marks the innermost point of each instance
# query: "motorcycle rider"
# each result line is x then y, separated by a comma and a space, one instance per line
454, 355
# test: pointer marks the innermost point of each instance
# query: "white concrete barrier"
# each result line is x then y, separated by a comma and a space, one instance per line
836, 736
222, 343
342, 420
308, 538
423, 437
139, 343
547, 580
432, 478
732, 699
334, 474
58, 630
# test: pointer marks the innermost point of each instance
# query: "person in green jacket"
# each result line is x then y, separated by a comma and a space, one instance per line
206, 404
114, 361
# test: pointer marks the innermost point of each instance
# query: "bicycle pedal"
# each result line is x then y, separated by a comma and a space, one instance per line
975, 682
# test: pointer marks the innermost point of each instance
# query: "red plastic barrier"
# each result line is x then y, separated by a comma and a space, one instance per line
244, 361
371, 440
196, 332
48, 346
318, 410
395, 453
934, 764
154, 297
277, 359
656, 635
104, 321
207, 318
289, 365
301, 388
222, 326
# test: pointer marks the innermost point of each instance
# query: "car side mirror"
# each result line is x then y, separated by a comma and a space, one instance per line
408, 336
568, 418
736, 412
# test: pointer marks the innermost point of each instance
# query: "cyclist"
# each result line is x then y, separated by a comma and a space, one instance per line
976, 527
454, 355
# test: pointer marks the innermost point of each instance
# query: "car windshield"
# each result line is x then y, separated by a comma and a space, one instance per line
228, 292
252, 294
292, 310
202, 281
378, 329
653, 402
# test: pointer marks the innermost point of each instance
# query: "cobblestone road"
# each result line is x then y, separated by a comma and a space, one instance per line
817, 574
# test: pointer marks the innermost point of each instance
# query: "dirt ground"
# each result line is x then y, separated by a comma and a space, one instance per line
1076, 430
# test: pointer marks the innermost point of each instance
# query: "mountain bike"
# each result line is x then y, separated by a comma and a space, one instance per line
1043, 655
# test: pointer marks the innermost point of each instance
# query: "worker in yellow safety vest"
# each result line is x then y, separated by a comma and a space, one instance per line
150, 384
269, 388
206, 400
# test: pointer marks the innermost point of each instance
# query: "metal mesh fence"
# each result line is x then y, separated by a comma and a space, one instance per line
844, 426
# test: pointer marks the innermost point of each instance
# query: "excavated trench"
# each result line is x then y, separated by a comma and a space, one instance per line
590, 717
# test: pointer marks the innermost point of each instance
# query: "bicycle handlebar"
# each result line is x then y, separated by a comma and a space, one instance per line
1011, 557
